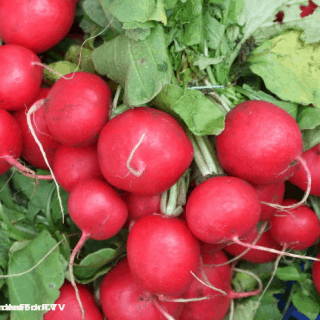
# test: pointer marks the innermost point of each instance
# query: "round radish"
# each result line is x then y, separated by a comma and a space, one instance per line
36, 24
141, 206
71, 309
10, 140
219, 277
162, 252
72, 165
97, 209
312, 158
270, 193
297, 228
20, 79
254, 255
30, 149
123, 299
261, 143
144, 151
222, 208
78, 108
316, 273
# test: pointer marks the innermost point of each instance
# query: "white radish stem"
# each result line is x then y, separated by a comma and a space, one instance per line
135, 172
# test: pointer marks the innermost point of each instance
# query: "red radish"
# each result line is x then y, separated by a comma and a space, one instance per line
71, 310
312, 158
270, 193
30, 149
144, 151
162, 253
254, 255
77, 108
123, 299
141, 206
72, 165
297, 228
261, 143
308, 10
20, 80
316, 273
217, 208
36, 24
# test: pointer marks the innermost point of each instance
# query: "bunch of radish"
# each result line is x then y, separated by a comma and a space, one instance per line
117, 170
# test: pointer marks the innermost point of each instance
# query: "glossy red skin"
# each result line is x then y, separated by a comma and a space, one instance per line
270, 193
163, 156
30, 149
217, 208
161, 253
316, 273
72, 310
253, 255
312, 158
220, 277
97, 209
298, 228
36, 24
260, 143
20, 81
141, 206
72, 165
122, 298
10, 139
78, 108
308, 10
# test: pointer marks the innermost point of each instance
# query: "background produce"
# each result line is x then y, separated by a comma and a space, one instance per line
134, 118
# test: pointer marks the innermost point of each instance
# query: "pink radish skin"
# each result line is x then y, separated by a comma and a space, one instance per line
316, 273
71, 310
20, 80
144, 151
141, 206
297, 228
78, 108
123, 299
219, 277
30, 149
260, 143
312, 158
271, 193
253, 255
217, 208
162, 253
37, 24
73, 165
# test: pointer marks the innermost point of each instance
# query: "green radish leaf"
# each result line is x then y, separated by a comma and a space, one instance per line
142, 68
245, 310
62, 67
290, 273
311, 138
289, 68
308, 118
95, 12
268, 308
138, 34
200, 114
306, 305
243, 282
213, 30
42, 284
73, 55
203, 61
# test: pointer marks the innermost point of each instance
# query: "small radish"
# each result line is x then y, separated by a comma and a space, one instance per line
312, 158
123, 299
222, 208
261, 143
77, 108
162, 253
20, 79
316, 273
72, 165
253, 255
270, 193
36, 24
144, 151
141, 206
69, 307
297, 228
98, 211
30, 149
